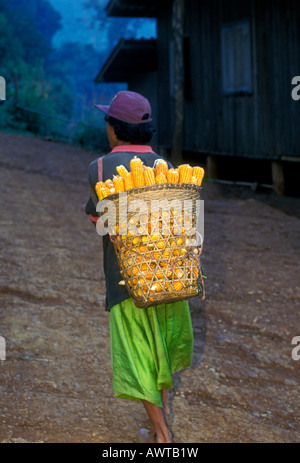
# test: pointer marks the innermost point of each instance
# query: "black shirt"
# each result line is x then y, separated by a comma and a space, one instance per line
120, 155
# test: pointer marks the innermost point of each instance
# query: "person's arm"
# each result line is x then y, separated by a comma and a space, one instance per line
90, 208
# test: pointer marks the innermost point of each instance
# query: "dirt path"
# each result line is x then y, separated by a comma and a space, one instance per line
56, 383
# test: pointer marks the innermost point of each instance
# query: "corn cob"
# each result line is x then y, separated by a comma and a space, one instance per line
179, 272
144, 267
128, 181
160, 166
172, 176
194, 180
118, 183
136, 167
149, 176
135, 270
98, 187
122, 171
109, 183
156, 287
103, 192
160, 178
195, 272
177, 285
159, 275
198, 172
185, 173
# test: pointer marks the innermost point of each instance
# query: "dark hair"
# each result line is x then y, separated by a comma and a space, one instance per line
137, 134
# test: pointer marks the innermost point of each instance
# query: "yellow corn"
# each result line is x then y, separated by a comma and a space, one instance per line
103, 192
169, 273
144, 267
179, 272
128, 181
156, 287
166, 254
118, 183
122, 171
159, 275
198, 172
137, 171
160, 166
185, 173
172, 176
195, 272
149, 176
156, 255
161, 178
177, 285
135, 270
194, 180
109, 183
98, 188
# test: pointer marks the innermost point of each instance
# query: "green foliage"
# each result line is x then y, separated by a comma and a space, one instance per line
90, 137
57, 84
24, 50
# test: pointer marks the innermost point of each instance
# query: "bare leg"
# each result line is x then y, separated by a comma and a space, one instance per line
165, 401
157, 417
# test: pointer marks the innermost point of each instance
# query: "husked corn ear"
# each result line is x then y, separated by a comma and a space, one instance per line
172, 176
118, 183
161, 178
109, 183
177, 285
160, 166
128, 181
136, 167
98, 187
103, 192
156, 287
149, 176
194, 180
122, 171
198, 172
185, 173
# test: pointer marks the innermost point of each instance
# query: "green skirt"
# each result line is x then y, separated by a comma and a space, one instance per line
147, 347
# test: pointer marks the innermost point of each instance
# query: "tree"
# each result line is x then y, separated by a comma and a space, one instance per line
115, 28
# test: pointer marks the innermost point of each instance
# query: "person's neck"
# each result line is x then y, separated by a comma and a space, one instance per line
120, 142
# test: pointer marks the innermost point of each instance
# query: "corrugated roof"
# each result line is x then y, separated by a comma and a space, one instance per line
130, 56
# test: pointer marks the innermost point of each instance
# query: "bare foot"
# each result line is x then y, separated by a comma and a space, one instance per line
146, 436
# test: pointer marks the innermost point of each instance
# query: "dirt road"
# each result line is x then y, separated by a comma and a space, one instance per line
56, 383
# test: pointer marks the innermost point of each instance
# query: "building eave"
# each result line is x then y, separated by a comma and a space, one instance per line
130, 56
132, 8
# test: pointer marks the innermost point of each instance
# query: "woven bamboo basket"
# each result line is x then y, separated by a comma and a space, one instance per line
156, 259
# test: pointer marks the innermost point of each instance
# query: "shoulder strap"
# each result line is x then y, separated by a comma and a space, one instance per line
100, 169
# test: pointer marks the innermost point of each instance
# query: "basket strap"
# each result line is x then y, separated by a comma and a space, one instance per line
100, 169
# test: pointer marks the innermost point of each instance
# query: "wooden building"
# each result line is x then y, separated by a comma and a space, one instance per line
238, 62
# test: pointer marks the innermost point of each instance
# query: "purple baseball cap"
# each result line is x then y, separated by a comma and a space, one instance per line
128, 107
